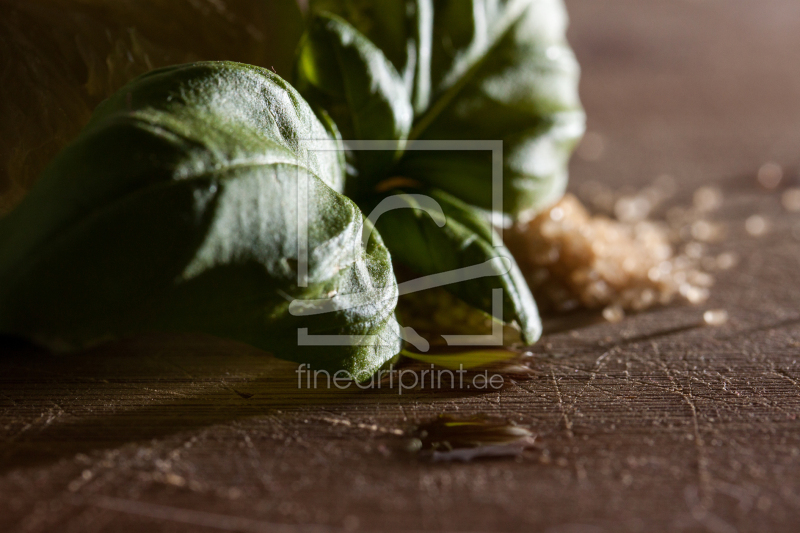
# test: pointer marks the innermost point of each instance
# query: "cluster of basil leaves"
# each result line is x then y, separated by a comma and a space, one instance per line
177, 207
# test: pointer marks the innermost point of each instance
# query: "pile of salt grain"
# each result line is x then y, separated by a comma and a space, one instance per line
573, 259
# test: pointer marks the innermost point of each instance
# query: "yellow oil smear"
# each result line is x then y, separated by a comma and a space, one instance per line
463, 359
449, 438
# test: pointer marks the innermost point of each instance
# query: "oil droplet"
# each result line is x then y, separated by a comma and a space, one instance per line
450, 438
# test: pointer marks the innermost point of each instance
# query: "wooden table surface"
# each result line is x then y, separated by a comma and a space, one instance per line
650, 424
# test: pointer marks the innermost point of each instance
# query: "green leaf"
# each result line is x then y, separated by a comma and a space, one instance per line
402, 29
342, 72
433, 233
178, 208
499, 70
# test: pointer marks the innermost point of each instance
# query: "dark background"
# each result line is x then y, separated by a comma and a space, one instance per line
651, 424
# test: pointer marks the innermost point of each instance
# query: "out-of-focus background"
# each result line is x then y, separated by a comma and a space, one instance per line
654, 423
704, 90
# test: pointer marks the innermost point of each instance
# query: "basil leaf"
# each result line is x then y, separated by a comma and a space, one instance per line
502, 70
177, 209
402, 29
341, 71
484, 70
434, 232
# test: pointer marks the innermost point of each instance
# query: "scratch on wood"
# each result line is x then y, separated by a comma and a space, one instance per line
564, 415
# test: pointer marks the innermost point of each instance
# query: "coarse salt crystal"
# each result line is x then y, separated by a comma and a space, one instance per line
755, 225
715, 317
613, 313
